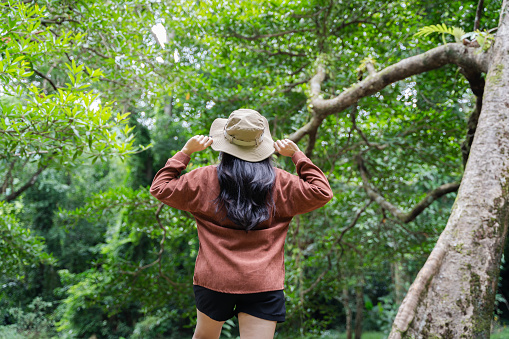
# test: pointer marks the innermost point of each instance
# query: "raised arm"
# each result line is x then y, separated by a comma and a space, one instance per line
180, 191
305, 192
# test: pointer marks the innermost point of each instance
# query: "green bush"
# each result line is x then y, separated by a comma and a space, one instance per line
158, 326
34, 324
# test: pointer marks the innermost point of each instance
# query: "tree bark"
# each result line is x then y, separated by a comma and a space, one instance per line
453, 294
359, 312
348, 311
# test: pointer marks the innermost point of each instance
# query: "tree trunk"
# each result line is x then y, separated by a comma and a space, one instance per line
359, 300
453, 294
348, 310
398, 281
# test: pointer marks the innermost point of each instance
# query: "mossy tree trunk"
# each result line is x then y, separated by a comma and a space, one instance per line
453, 294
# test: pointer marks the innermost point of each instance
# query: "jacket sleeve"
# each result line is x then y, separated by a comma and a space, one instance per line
181, 192
304, 192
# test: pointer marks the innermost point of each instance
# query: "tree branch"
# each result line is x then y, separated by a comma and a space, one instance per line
46, 78
308, 128
352, 224
478, 14
418, 208
311, 128
59, 20
300, 69
97, 52
371, 68
293, 85
27, 185
452, 53
313, 285
363, 136
316, 81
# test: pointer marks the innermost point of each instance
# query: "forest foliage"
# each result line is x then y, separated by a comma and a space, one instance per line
96, 95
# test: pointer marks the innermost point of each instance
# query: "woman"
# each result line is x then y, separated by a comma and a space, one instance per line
242, 209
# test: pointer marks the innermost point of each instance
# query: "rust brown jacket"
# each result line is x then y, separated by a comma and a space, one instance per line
229, 259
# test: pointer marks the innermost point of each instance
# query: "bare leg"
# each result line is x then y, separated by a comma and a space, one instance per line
207, 328
255, 328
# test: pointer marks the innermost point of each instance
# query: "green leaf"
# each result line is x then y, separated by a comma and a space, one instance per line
441, 28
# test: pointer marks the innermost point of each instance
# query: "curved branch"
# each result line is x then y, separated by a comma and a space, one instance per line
30, 182
311, 127
471, 128
452, 53
363, 136
293, 85
308, 128
418, 208
299, 69
46, 78
316, 81
97, 53
352, 224
59, 20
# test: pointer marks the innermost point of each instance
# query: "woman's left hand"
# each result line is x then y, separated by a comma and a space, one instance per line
196, 144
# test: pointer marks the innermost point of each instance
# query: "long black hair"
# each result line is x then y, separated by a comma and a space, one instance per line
246, 190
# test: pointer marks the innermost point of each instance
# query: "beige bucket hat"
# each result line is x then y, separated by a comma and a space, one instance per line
245, 134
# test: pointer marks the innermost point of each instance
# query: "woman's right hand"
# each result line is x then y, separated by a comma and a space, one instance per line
286, 147
196, 144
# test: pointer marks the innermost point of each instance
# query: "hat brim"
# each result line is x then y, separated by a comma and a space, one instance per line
247, 153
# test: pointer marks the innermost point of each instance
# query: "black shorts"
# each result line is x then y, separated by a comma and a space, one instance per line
222, 306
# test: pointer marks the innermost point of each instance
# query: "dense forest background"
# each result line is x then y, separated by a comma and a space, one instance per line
96, 95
